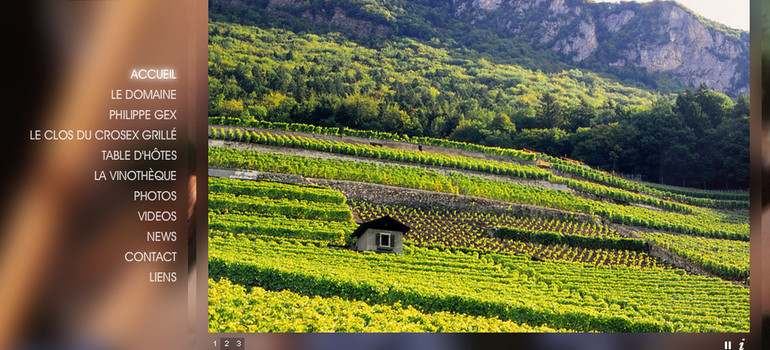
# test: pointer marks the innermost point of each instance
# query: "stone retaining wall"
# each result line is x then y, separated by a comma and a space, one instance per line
390, 195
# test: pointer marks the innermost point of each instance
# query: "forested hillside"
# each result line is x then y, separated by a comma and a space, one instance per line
695, 138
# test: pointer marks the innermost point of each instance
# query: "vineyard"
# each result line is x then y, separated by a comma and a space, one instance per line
441, 229
556, 295
466, 163
277, 261
715, 199
703, 221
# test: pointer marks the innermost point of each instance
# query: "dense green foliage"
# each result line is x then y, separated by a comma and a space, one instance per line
420, 20
557, 295
551, 238
704, 222
728, 259
233, 309
698, 139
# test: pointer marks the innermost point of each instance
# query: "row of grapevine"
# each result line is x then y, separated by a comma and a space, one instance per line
551, 238
418, 216
728, 259
230, 203
442, 160
275, 190
233, 309
471, 284
695, 192
702, 222
559, 252
335, 232
592, 257
621, 195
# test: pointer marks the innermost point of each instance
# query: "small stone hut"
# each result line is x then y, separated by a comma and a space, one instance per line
383, 235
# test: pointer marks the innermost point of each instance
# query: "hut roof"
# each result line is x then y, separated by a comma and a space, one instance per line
384, 223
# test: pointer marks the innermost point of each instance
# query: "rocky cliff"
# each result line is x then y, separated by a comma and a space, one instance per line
660, 37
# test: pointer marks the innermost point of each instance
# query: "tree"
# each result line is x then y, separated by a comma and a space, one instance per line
502, 123
549, 112
550, 141
691, 111
467, 132
741, 107
733, 145
580, 116
360, 112
608, 146
651, 125
715, 105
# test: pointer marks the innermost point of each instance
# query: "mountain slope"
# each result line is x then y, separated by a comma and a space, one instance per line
661, 45
661, 37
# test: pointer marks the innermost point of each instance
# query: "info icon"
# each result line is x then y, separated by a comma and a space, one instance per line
729, 345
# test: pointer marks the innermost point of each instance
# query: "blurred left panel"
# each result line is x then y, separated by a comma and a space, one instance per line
98, 192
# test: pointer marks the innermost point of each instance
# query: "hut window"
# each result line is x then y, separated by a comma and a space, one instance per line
384, 240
